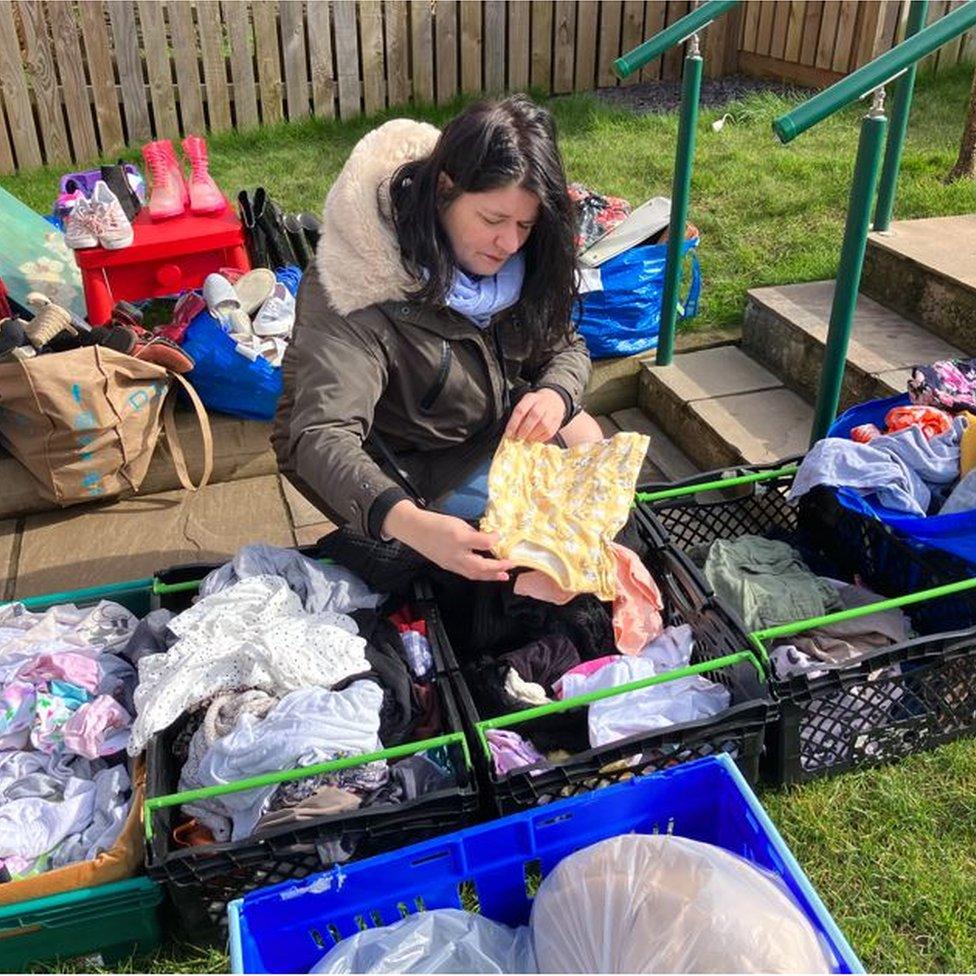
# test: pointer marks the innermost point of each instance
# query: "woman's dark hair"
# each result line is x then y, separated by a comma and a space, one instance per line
488, 146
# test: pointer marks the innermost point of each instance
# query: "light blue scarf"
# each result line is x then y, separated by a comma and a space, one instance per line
478, 299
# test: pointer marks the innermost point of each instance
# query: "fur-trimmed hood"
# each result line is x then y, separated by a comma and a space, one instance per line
358, 257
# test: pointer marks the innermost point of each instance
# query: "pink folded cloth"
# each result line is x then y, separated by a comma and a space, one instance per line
541, 587
637, 605
98, 728
78, 669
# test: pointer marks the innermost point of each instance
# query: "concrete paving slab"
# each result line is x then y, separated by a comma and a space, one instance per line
301, 511
946, 245
761, 427
894, 381
722, 371
308, 535
8, 558
131, 539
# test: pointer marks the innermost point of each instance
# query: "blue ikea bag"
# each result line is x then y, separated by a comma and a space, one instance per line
623, 318
952, 533
227, 381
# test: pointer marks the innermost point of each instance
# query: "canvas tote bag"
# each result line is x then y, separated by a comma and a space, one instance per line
85, 422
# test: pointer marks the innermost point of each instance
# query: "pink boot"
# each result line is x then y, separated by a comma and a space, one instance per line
205, 195
174, 165
166, 197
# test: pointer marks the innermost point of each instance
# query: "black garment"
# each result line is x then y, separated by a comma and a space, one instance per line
387, 567
411, 777
543, 661
401, 710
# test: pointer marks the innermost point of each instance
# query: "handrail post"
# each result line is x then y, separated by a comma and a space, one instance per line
680, 192
900, 107
870, 146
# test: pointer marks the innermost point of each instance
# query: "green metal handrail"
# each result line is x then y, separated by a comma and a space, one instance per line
877, 73
687, 27
872, 77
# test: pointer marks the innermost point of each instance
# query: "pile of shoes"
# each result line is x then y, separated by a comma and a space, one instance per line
53, 329
171, 194
257, 311
102, 218
276, 239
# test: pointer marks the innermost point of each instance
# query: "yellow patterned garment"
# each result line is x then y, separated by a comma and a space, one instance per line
557, 510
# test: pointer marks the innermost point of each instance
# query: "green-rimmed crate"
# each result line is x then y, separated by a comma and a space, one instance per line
883, 705
111, 920
201, 881
720, 653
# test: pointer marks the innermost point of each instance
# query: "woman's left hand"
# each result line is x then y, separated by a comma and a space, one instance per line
537, 416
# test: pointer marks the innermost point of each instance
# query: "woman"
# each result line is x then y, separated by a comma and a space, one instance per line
435, 319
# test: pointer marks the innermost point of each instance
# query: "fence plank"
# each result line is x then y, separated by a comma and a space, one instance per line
541, 72
734, 24
214, 64
564, 46
674, 58
422, 50
122, 15
445, 34
868, 30
184, 40
828, 33
494, 46
967, 53
937, 10
948, 54
794, 31
265, 14
40, 69
371, 42
7, 164
293, 58
587, 25
470, 47
713, 47
71, 65
519, 31
156, 48
781, 22
844, 42
751, 25
610, 19
101, 72
764, 33
632, 32
15, 95
812, 16
397, 73
241, 63
347, 59
655, 15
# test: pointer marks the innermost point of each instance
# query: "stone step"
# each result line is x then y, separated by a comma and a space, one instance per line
785, 328
720, 408
241, 450
926, 270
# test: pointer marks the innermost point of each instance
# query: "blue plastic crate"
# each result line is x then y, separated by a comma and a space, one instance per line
289, 927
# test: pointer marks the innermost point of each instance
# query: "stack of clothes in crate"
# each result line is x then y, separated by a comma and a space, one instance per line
66, 708
282, 663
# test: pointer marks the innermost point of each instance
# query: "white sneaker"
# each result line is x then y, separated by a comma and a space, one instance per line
78, 226
277, 314
110, 222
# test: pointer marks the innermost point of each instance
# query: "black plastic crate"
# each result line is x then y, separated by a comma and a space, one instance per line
738, 731
889, 703
202, 880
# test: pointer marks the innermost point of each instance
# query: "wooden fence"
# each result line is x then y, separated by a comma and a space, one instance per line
82, 78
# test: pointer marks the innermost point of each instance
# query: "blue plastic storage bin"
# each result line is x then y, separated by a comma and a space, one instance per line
955, 534
289, 927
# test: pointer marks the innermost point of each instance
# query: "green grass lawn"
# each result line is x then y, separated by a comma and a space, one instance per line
892, 850
769, 214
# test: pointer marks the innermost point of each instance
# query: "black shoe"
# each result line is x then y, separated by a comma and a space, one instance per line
296, 238
257, 249
310, 228
269, 219
118, 183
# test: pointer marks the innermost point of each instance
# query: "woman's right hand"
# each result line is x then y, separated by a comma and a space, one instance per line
447, 541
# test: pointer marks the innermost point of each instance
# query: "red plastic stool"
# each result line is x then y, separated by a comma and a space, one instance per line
164, 258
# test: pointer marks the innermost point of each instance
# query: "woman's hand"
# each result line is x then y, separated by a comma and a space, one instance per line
447, 541
537, 416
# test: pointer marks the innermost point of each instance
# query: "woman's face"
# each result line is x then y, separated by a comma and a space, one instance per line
486, 229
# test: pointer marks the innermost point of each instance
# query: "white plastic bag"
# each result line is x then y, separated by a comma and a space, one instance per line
663, 904
445, 940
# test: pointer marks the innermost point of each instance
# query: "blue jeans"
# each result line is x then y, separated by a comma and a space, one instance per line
468, 499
